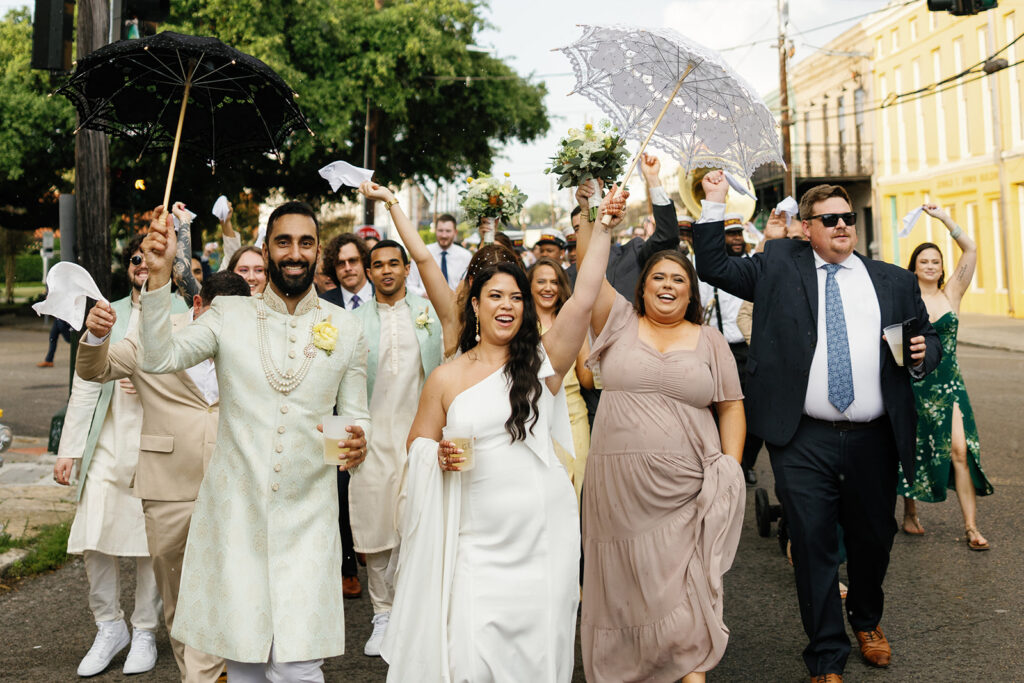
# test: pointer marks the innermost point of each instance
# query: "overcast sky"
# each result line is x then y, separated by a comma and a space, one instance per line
524, 33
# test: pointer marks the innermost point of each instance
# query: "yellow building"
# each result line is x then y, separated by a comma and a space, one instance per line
954, 141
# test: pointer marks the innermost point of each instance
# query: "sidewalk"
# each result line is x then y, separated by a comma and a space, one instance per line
992, 331
29, 498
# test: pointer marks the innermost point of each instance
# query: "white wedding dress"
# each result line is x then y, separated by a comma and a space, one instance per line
487, 582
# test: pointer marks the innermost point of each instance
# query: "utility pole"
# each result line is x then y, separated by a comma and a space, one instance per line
788, 187
92, 163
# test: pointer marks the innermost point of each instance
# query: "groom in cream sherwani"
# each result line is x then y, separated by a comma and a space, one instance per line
261, 581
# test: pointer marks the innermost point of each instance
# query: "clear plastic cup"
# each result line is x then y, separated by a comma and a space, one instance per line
894, 336
466, 444
334, 431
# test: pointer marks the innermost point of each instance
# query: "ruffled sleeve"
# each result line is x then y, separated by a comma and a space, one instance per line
723, 367
620, 318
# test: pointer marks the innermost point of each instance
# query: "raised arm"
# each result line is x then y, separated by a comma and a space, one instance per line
963, 273
163, 351
441, 296
606, 297
666, 226
563, 341
232, 241
738, 276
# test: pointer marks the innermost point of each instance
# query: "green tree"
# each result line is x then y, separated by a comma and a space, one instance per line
36, 148
408, 60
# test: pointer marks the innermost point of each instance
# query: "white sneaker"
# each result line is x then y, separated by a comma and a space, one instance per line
142, 657
380, 624
111, 638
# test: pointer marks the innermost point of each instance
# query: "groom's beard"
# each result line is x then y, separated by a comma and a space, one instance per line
291, 286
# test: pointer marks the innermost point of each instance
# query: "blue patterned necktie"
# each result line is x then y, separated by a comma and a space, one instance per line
840, 373
355, 301
444, 265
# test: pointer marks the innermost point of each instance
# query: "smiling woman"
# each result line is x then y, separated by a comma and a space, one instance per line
659, 468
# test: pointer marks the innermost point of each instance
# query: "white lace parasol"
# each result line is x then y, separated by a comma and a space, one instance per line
716, 120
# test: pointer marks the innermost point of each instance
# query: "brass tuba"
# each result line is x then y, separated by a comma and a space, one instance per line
691, 192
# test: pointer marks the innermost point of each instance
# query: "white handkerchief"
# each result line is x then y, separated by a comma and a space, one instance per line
260, 236
177, 223
909, 220
340, 173
68, 285
788, 206
735, 184
220, 208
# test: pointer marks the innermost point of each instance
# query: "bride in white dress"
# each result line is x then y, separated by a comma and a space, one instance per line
487, 580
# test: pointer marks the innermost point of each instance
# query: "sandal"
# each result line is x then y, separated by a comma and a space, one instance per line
915, 528
975, 541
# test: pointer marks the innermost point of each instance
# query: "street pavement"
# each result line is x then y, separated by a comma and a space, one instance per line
951, 615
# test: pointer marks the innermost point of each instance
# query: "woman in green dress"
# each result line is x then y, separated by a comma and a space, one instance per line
947, 438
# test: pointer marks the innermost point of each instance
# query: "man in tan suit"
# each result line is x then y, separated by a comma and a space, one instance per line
179, 431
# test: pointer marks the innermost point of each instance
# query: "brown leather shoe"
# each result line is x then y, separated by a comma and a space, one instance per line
874, 647
44, 364
350, 587
827, 678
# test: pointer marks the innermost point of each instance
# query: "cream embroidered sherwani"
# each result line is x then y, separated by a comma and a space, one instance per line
263, 560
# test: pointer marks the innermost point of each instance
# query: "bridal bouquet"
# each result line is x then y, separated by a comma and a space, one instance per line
487, 197
590, 154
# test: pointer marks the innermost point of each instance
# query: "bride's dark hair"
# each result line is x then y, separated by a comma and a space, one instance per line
524, 357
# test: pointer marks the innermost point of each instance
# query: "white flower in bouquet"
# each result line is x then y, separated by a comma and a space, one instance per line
589, 154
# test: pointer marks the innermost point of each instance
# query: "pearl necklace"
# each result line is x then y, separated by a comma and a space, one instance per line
288, 381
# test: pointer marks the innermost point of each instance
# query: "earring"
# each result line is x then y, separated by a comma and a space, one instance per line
478, 329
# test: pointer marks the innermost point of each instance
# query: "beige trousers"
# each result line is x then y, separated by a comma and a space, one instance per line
104, 574
382, 593
166, 532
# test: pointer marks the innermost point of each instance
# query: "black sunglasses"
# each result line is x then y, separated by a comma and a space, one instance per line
831, 220
136, 260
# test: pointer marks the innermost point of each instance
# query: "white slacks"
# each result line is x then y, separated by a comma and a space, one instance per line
105, 590
382, 593
274, 671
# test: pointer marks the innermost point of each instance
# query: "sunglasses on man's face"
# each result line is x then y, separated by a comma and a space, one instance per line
136, 260
831, 220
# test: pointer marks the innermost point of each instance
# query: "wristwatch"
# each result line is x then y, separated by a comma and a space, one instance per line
391, 202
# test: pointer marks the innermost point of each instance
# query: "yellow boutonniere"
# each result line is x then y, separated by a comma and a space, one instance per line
325, 336
423, 320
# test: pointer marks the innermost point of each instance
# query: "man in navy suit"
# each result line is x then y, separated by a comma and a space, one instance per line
835, 409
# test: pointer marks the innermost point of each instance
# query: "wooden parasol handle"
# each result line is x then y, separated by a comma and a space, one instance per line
177, 134
607, 220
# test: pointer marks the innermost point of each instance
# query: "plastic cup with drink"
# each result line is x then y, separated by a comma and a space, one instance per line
334, 432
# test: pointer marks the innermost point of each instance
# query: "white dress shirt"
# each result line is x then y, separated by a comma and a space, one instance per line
458, 262
863, 331
205, 377
365, 295
729, 305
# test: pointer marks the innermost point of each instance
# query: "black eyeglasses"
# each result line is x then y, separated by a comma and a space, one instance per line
136, 260
831, 220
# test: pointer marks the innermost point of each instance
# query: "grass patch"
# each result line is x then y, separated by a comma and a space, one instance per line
47, 550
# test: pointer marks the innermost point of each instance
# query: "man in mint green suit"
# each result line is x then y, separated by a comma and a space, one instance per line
404, 338
101, 433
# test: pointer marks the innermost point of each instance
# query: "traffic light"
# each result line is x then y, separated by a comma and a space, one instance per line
961, 8
53, 31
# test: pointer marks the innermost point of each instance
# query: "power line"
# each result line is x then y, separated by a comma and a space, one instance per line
798, 32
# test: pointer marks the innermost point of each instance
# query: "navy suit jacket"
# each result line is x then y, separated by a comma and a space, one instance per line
783, 285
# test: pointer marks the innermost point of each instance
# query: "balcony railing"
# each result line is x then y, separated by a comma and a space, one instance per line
820, 160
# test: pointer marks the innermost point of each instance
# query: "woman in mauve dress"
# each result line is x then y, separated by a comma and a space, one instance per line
663, 505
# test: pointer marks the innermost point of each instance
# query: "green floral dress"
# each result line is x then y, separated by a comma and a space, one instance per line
935, 396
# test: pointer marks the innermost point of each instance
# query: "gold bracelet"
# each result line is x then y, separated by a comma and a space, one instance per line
391, 202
